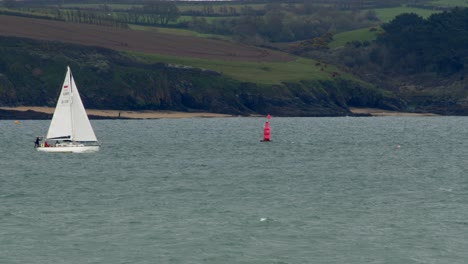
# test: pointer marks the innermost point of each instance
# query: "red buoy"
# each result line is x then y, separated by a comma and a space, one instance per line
266, 130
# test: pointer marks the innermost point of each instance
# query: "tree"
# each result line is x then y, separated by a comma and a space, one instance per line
10, 3
165, 11
246, 27
273, 25
438, 44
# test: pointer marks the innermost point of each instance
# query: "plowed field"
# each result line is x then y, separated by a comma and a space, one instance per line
133, 40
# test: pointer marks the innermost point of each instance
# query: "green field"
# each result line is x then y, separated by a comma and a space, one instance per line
207, 18
363, 34
187, 19
45, 13
263, 73
174, 31
113, 6
450, 3
387, 14
177, 31
185, 6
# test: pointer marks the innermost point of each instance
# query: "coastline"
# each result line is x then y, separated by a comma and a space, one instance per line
123, 114
382, 112
39, 112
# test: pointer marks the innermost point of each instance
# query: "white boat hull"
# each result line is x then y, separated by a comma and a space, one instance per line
69, 149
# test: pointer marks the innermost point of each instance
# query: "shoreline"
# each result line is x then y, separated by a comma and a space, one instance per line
123, 114
381, 112
46, 112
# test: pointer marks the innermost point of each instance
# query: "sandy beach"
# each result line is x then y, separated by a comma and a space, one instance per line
174, 114
124, 114
381, 112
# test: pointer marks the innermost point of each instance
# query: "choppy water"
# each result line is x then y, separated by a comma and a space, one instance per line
326, 190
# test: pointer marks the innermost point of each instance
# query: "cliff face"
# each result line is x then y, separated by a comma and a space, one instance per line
306, 98
31, 74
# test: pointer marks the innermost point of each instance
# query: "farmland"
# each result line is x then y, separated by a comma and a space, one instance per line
241, 62
139, 41
387, 14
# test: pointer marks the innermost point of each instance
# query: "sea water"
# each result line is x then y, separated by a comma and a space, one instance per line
325, 190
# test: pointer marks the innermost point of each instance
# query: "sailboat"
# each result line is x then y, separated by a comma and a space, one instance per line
70, 129
266, 130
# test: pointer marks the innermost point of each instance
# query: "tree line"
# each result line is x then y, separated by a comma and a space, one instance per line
286, 24
438, 44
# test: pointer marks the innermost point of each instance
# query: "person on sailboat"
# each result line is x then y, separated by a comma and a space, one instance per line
36, 143
46, 144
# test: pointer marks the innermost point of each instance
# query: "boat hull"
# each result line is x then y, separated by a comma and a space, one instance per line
69, 149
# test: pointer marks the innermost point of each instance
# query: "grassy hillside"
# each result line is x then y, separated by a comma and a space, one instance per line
178, 31
387, 14
298, 69
31, 71
363, 34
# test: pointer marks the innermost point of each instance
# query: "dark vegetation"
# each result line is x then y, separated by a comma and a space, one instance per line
423, 60
413, 45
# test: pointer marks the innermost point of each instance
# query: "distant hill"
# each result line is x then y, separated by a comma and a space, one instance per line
130, 69
31, 72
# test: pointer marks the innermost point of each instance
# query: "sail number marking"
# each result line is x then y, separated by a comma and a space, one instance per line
65, 93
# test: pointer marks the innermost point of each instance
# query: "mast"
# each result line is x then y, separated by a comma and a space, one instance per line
71, 103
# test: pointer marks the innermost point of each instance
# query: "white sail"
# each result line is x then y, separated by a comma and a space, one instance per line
82, 130
70, 121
